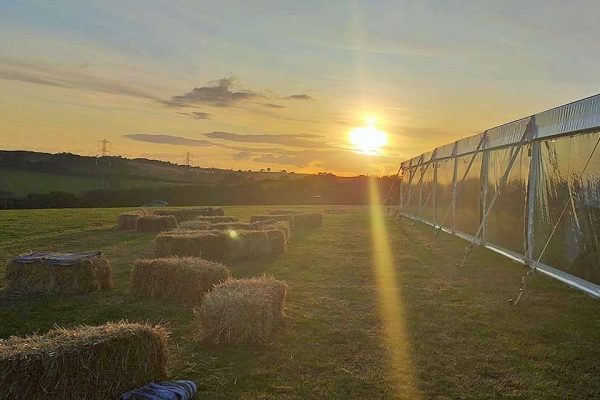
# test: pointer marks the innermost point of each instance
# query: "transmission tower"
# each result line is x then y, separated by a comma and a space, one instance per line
188, 160
104, 147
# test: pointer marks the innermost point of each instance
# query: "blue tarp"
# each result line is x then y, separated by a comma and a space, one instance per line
172, 390
51, 258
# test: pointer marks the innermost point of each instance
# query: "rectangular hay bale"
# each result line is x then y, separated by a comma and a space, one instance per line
45, 273
88, 362
241, 311
187, 214
185, 279
155, 223
217, 219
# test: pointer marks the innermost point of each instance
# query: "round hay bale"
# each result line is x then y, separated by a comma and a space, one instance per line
155, 223
88, 362
185, 279
241, 311
44, 276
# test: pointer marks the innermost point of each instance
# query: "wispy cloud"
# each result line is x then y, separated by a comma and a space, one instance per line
300, 140
299, 97
197, 114
272, 105
51, 75
159, 138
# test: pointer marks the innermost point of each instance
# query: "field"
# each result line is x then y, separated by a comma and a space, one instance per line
22, 183
402, 322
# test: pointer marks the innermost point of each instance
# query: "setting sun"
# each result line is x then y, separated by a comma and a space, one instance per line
368, 139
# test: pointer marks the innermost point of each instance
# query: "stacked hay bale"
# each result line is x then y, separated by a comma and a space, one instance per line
241, 311
45, 273
185, 279
128, 220
308, 220
217, 219
195, 225
186, 214
220, 245
83, 363
155, 223
296, 220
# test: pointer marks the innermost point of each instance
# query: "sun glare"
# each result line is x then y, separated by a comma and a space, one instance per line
368, 139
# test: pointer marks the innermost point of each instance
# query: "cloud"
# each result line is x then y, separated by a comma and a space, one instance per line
198, 114
299, 97
167, 139
300, 140
219, 93
69, 78
271, 105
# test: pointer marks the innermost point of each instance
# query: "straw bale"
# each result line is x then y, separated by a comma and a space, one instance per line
39, 278
217, 219
186, 214
185, 279
308, 220
195, 225
84, 363
241, 311
283, 211
155, 223
127, 221
272, 218
209, 245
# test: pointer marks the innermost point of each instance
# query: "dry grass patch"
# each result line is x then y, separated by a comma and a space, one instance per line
283, 211
42, 278
89, 362
241, 311
155, 223
185, 279
302, 220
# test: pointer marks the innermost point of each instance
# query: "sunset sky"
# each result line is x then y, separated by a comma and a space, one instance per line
281, 84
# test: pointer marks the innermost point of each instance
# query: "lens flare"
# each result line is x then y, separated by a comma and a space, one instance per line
391, 309
368, 139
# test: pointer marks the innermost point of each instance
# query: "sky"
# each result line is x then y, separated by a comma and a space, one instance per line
281, 84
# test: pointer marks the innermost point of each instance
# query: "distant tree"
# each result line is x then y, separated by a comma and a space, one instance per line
268, 169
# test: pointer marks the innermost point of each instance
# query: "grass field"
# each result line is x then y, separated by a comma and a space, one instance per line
22, 183
458, 335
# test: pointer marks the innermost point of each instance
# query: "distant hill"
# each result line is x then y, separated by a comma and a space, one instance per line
43, 180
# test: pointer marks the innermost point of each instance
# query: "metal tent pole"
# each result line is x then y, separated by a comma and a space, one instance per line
484, 175
477, 238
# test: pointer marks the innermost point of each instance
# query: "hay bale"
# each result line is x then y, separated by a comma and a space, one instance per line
241, 311
206, 244
217, 219
283, 226
195, 225
217, 245
155, 223
308, 220
98, 362
127, 221
272, 218
283, 211
45, 273
277, 241
185, 279
186, 214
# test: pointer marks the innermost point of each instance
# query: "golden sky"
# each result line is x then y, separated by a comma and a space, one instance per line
280, 85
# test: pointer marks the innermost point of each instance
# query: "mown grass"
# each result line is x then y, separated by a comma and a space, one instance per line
465, 340
22, 183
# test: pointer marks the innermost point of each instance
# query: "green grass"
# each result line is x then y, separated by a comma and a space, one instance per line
24, 182
464, 339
